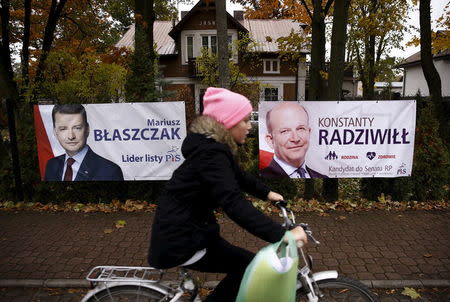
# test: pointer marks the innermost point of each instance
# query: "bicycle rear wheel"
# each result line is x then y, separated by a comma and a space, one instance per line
127, 293
341, 289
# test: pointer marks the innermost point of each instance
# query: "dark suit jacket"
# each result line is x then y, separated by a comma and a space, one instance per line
274, 170
94, 167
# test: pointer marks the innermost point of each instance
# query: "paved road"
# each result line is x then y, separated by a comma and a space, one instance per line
373, 245
376, 246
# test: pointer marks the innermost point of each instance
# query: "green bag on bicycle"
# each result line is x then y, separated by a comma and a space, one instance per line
272, 274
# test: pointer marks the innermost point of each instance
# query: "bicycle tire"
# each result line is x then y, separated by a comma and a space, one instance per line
341, 289
127, 293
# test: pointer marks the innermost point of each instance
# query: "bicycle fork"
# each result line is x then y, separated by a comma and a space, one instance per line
308, 285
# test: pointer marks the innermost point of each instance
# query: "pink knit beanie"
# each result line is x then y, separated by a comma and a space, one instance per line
225, 106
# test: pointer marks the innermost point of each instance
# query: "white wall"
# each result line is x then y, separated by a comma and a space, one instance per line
351, 86
414, 79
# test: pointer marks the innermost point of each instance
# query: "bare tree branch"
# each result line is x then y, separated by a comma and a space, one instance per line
49, 34
307, 9
327, 7
66, 16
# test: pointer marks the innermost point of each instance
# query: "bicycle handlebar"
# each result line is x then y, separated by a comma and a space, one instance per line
289, 223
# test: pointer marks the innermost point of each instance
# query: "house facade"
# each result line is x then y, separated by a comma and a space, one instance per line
414, 80
180, 44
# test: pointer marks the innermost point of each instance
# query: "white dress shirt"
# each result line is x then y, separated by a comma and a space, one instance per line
290, 170
76, 165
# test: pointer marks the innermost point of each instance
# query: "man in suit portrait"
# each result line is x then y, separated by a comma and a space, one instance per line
288, 135
79, 162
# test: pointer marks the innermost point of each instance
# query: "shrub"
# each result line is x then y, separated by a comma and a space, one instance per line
431, 158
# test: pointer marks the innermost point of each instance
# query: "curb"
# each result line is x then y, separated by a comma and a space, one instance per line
51, 283
81, 283
406, 283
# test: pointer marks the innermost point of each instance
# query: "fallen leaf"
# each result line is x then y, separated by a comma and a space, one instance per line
78, 207
108, 231
410, 292
120, 223
139, 206
428, 255
8, 204
341, 218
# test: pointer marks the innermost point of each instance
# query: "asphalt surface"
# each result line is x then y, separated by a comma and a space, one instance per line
386, 250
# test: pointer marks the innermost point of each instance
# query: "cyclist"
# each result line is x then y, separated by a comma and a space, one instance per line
185, 231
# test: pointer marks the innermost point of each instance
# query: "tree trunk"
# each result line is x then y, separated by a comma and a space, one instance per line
369, 60
140, 85
371, 75
49, 35
25, 54
317, 53
330, 187
8, 90
338, 41
14, 150
429, 70
222, 43
316, 82
8, 87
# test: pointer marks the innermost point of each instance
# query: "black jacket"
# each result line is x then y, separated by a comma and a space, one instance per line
208, 179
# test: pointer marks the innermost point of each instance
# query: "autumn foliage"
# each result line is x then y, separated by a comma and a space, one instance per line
441, 36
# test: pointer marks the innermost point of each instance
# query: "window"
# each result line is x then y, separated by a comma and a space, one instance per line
271, 65
190, 47
210, 42
270, 94
193, 41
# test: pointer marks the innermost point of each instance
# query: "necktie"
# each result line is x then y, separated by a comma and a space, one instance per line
302, 172
69, 173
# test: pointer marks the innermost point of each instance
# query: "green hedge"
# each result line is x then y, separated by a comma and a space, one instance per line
431, 166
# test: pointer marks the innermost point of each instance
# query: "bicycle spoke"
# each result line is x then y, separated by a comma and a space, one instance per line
341, 289
129, 293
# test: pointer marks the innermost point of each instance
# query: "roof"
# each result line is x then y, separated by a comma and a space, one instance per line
415, 58
258, 29
198, 7
261, 29
165, 44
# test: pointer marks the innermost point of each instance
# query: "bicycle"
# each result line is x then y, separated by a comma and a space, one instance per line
121, 283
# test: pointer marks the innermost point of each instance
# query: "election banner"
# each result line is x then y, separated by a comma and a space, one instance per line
111, 142
336, 139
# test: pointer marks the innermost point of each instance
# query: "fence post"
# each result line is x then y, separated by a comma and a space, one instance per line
14, 150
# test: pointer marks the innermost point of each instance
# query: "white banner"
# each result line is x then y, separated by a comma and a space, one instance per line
143, 139
344, 139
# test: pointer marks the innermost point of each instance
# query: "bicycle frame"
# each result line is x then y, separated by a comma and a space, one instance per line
306, 279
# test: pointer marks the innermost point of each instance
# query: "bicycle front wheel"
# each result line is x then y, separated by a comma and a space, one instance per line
341, 289
127, 293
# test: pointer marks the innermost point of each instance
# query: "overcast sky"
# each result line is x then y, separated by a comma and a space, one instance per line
437, 7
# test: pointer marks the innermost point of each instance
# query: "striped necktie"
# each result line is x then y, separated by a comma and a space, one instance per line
302, 172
